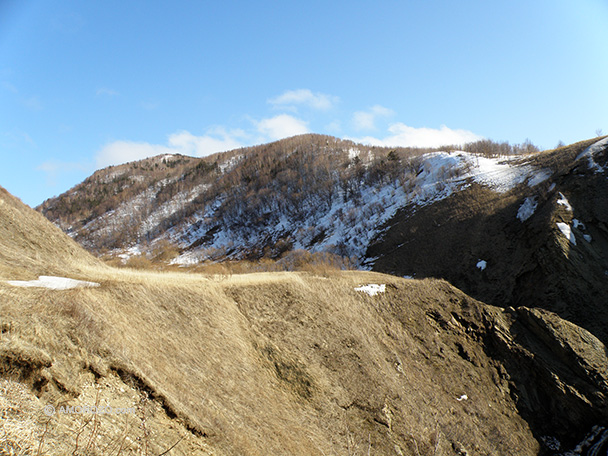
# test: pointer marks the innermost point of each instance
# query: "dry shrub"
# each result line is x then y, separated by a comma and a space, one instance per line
319, 263
164, 251
139, 262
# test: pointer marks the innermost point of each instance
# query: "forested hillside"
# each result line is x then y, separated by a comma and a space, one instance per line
311, 192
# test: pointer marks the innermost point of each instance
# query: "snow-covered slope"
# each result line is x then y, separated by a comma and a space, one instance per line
310, 192
348, 225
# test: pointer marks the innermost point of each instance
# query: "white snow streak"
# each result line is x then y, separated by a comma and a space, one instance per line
526, 210
567, 231
590, 152
53, 283
564, 202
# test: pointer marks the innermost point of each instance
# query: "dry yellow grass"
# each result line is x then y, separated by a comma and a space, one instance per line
257, 364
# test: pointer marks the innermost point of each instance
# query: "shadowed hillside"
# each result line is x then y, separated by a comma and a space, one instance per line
542, 246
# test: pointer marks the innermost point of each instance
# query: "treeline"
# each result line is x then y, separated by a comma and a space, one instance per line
490, 148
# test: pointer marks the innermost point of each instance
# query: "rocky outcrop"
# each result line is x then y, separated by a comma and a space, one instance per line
557, 371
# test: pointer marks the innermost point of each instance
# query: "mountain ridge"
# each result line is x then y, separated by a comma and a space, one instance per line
310, 192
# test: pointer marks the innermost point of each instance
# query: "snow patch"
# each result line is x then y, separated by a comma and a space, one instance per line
567, 231
167, 209
564, 202
112, 175
498, 174
188, 259
526, 210
551, 442
372, 289
590, 152
229, 164
353, 153
593, 443
539, 177
130, 252
53, 283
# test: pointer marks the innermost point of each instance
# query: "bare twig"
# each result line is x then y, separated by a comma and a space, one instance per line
46, 428
173, 446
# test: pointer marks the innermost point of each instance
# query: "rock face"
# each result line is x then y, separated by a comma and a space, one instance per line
558, 371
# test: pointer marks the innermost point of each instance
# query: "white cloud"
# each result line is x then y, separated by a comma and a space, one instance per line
182, 142
118, 152
216, 140
334, 127
402, 135
366, 120
305, 97
54, 167
281, 126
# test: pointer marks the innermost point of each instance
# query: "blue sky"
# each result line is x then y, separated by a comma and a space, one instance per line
87, 84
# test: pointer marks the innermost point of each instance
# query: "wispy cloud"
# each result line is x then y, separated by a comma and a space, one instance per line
284, 125
401, 135
32, 103
149, 105
305, 97
281, 126
53, 169
366, 120
107, 92
10, 87
16, 137
118, 152
217, 139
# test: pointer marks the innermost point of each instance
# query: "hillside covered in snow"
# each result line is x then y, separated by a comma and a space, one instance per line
310, 192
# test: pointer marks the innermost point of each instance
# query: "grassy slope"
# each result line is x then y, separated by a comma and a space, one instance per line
258, 364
